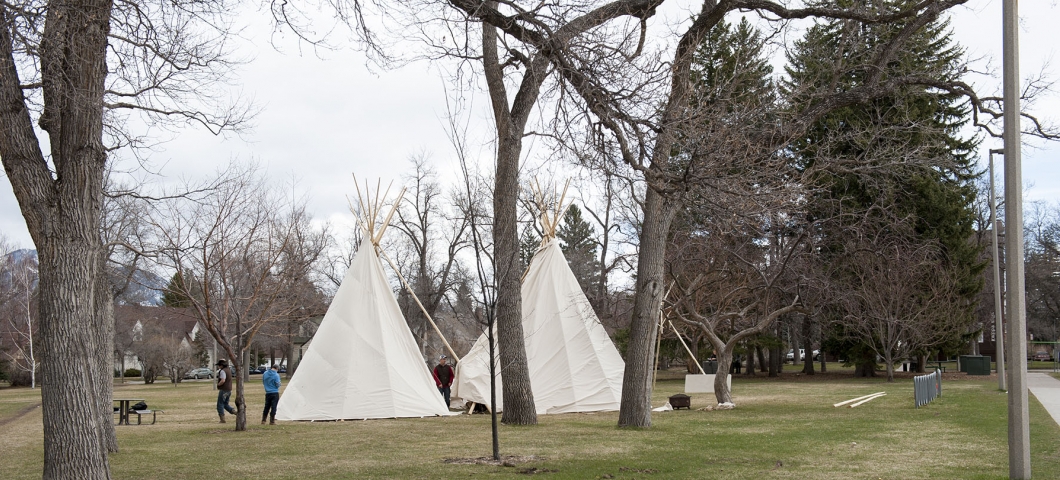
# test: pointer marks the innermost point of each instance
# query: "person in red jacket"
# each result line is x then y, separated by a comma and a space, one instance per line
443, 378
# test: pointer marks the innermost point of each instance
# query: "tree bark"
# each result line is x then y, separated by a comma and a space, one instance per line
62, 212
635, 409
750, 361
889, 360
776, 361
763, 367
722, 393
807, 364
518, 396
104, 330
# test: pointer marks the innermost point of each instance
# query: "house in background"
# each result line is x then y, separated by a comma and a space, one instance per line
131, 322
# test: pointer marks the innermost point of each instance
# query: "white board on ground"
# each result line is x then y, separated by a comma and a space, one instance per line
700, 383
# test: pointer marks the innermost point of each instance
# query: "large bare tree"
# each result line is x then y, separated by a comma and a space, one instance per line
70, 68
610, 83
435, 238
240, 244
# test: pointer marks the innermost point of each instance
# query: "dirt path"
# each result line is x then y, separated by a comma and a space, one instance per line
19, 414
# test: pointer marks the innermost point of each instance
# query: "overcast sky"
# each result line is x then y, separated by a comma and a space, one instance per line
325, 115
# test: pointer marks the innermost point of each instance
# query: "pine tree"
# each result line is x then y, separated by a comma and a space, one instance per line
175, 294
529, 242
577, 241
909, 161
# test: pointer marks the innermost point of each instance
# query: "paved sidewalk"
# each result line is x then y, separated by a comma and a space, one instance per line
1047, 390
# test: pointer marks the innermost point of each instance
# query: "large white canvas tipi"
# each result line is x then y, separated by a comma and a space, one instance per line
363, 361
574, 366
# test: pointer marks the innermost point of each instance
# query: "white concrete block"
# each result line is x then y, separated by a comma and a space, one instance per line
700, 383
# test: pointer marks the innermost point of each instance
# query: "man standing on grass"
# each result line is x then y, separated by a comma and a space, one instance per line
224, 389
443, 377
271, 381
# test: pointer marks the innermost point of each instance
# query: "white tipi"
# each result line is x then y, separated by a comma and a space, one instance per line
363, 361
574, 366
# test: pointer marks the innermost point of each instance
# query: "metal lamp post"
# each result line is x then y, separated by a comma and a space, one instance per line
1019, 453
999, 336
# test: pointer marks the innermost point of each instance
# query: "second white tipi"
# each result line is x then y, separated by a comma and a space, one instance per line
363, 361
574, 366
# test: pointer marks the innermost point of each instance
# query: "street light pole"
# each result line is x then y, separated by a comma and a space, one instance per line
1019, 453
999, 329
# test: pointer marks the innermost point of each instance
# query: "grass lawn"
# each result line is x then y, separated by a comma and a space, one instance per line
781, 428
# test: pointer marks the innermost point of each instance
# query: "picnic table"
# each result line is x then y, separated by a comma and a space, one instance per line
124, 409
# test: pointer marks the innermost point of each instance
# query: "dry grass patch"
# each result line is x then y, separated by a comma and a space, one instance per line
780, 429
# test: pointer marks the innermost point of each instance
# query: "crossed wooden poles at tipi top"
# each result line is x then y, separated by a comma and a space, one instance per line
370, 211
549, 216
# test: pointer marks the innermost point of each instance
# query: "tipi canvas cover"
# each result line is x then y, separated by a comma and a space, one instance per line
574, 366
363, 361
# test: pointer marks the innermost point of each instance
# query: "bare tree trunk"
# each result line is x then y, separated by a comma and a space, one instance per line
519, 406
635, 409
750, 361
62, 212
823, 363
721, 380
104, 330
807, 328
889, 360
763, 367
776, 361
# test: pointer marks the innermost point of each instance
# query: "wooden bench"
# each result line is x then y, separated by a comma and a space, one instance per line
154, 415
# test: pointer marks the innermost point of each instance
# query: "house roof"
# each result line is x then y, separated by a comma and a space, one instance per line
180, 321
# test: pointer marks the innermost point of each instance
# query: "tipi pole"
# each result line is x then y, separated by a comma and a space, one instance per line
386, 223
682, 340
417, 299
658, 337
658, 345
368, 224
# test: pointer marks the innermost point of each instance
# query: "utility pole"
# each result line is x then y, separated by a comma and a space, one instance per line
999, 328
1019, 441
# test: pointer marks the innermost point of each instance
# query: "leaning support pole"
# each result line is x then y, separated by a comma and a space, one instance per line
417, 299
682, 340
1019, 442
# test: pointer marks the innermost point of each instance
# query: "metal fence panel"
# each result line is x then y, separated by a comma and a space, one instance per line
927, 387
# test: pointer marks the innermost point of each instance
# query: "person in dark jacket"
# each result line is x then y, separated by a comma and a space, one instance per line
224, 389
443, 378
271, 381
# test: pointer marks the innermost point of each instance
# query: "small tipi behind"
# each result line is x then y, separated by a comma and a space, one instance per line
363, 361
574, 366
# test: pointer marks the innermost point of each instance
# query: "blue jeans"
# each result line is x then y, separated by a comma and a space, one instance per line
445, 395
271, 400
222, 402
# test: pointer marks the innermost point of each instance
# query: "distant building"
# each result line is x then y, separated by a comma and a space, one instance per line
130, 320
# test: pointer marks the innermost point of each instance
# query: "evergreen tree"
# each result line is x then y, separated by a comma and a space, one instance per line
577, 241
898, 159
175, 294
529, 242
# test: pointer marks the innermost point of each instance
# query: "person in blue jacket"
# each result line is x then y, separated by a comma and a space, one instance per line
271, 381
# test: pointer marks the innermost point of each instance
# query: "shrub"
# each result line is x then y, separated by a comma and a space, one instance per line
132, 372
20, 379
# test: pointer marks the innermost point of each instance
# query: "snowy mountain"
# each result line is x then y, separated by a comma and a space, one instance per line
140, 288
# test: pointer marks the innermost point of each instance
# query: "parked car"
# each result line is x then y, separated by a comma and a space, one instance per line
199, 373
257, 371
802, 354
1042, 356
282, 369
